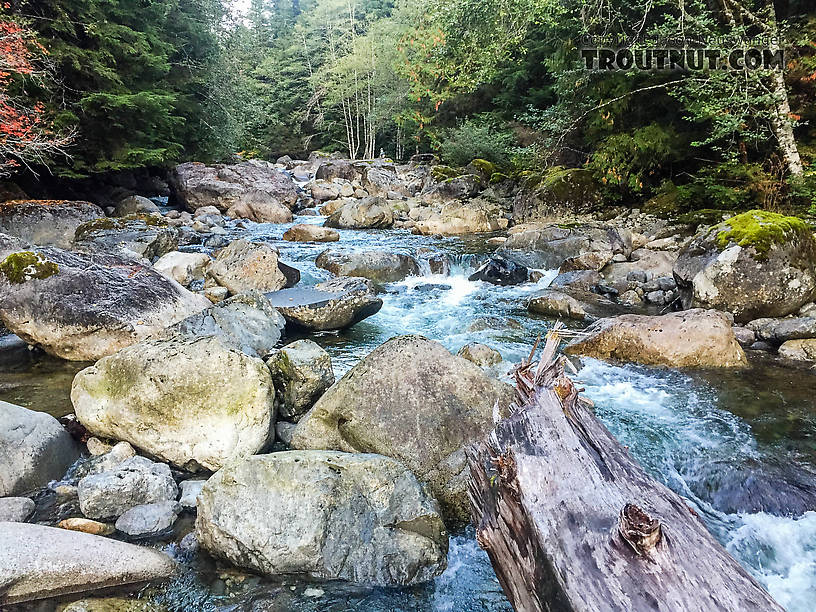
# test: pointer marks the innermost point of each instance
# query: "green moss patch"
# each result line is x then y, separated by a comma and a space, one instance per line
27, 265
761, 230
485, 167
440, 173
120, 223
498, 177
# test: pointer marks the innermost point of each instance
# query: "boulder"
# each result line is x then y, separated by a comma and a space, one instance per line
412, 400
132, 483
46, 222
306, 232
135, 204
184, 268
356, 517
558, 192
37, 562
693, 338
455, 219
247, 321
378, 266
247, 266
15, 509
82, 307
778, 331
260, 211
367, 213
329, 306
756, 264
382, 180
34, 449
301, 372
337, 169
454, 188
149, 520
257, 187
500, 271
798, 350
480, 354
647, 264
145, 236
118, 454
195, 402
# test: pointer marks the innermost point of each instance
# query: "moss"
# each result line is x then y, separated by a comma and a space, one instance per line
761, 230
664, 204
498, 177
119, 223
440, 173
485, 167
27, 265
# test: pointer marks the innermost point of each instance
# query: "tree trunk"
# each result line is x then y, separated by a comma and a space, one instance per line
782, 127
571, 522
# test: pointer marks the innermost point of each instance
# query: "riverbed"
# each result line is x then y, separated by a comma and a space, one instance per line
730, 443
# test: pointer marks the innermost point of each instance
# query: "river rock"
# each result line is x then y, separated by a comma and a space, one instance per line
454, 219
15, 509
133, 482
757, 264
367, 213
306, 232
247, 266
121, 452
454, 188
378, 266
781, 330
82, 307
409, 384
86, 526
195, 402
190, 490
327, 307
184, 268
798, 350
149, 520
146, 236
649, 264
247, 321
693, 338
500, 271
480, 354
356, 517
34, 449
337, 169
254, 188
135, 204
46, 222
37, 562
301, 372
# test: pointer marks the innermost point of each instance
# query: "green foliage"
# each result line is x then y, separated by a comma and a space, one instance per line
729, 186
481, 138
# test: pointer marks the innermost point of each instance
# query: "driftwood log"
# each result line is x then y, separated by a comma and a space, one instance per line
571, 522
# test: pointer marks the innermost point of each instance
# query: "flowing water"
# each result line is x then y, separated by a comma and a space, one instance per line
738, 446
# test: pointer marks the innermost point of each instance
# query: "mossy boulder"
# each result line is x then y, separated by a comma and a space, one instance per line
139, 235
498, 177
482, 168
193, 402
560, 190
441, 172
665, 204
756, 264
46, 222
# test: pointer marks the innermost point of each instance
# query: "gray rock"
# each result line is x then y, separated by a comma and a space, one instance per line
284, 431
361, 518
190, 490
135, 204
480, 354
301, 372
149, 520
46, 222
146, 236
799, 350
367, 213
781, 330
667, 283
122, 451
34, 449
248, 266
184, 268
16, 509
324, 308
744, 336
378, 266
133, 482
37, 562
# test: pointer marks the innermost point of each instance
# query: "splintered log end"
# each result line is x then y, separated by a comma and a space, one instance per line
639, 530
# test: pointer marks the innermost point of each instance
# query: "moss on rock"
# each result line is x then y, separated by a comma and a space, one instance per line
120, 223
441, 173
483, 166
498, 177
27, 265
761, 230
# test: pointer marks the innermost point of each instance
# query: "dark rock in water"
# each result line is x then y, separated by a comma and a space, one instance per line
145, 236
291, 274
489, 322
429, 287
46, 222
34, 448
762, 346
500, 271
777, 331
769, 486
323, 310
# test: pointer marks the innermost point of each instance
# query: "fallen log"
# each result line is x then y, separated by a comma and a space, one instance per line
571, 522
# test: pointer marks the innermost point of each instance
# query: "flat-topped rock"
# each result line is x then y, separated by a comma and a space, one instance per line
46, 222
323, 310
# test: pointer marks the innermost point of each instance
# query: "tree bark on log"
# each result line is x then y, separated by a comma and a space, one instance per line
571, 522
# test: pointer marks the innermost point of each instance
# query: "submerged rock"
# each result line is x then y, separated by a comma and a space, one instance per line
248, 266
378, 266
361, 518
301, 371
500, 271
693, 338
82, 307
195, 402
409, 384
46, 222
37, 562
757, 264
34, 449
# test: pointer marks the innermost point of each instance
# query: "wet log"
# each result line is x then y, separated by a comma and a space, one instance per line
570, 521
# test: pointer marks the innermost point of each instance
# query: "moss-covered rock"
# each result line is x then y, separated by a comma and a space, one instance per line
498, 177
761, 230
441, 172
27, 265
665, 204
148, 236
560, 190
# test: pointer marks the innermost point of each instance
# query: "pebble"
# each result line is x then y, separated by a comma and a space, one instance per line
86, 526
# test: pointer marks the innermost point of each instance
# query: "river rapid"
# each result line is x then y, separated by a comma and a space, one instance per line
729, 443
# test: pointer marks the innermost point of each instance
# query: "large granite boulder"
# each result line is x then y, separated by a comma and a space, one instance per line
184, 268
366, 213
135, 204
378, 266
147, 236
38, 562
412, 400
34, 449
356, 517
248, 266
254, 189
689, 339
557, 192
454, 219
301, 371
194, 402
756, 264
307, 232
46, 222
82, 307
337, 169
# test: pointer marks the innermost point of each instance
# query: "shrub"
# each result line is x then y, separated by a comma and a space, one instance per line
477, 138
